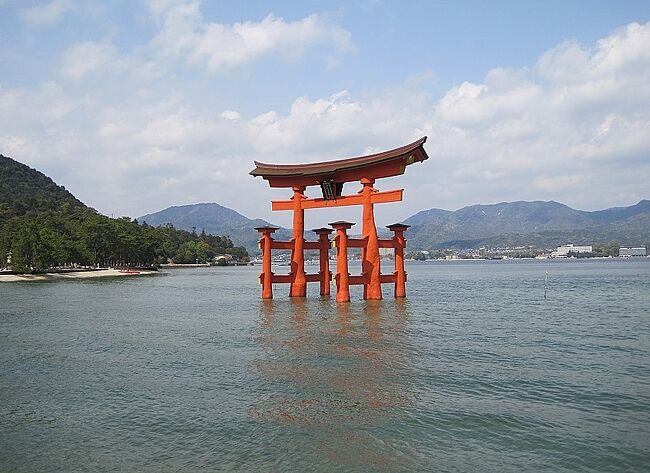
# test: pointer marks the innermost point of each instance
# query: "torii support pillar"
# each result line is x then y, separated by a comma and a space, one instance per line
370, 254
323, 256
342, 272
298, 277
266, 276
399, 243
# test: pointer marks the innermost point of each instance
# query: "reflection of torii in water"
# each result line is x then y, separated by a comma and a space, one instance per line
331, 176
342, 373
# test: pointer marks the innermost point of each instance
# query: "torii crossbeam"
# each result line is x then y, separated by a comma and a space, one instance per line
331, 176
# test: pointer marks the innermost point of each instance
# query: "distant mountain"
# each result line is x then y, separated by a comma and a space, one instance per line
619, 213
214, 219
24, 190
543, 224
425, 216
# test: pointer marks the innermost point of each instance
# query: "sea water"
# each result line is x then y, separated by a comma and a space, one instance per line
475, 371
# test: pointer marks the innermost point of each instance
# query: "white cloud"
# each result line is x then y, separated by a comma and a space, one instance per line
577, 121
89, 57
219, 46
557, 183
230, 115
12, 145
103, 59
571, 125
574, 127
184, 34
48, 13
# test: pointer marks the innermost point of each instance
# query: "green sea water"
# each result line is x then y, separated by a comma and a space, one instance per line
191, 371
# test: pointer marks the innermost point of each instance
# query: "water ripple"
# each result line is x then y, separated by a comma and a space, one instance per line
476, 371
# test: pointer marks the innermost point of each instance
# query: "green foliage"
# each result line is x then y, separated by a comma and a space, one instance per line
84, 237
607, 249
24, 190
429, 254
419, 256
42, 225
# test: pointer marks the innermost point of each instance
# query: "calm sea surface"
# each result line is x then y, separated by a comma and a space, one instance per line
475, 371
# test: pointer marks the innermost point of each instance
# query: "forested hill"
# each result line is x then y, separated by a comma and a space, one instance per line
215, 219
25, 190
543, 224
42, 225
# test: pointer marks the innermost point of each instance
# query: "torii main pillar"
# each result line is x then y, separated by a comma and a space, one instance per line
370, 260
299, 282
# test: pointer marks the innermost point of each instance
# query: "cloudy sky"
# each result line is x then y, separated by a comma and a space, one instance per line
136, 106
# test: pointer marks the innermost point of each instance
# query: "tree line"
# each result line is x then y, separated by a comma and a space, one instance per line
79, 235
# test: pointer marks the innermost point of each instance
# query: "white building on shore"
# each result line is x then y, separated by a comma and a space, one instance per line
627, 251
564, 250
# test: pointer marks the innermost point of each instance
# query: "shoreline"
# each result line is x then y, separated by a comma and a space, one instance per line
102, 273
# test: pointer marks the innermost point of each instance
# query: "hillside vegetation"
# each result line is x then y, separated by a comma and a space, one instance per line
26, 191
43, 225
215, 219
541, 224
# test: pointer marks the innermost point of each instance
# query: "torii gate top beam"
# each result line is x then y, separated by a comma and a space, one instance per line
373, 166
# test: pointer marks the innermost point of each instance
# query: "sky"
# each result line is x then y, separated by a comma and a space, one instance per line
135, 106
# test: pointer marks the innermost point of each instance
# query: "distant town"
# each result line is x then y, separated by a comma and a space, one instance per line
610, 250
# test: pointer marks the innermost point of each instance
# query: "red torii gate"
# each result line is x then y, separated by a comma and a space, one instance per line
331, 176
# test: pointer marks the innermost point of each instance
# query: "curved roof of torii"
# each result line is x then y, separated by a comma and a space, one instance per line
372, 166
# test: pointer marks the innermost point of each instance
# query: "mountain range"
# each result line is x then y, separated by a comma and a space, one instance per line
214, 219
26, 191
542, 224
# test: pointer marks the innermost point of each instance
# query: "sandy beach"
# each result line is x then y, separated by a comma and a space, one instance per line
102, 273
